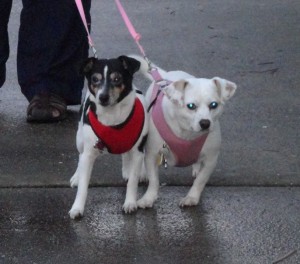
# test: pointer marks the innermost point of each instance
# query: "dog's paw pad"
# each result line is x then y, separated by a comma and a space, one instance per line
76, 214
74, 181
130, 207
145, 203
188, 201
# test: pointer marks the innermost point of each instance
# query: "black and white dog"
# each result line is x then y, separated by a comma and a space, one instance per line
113, 119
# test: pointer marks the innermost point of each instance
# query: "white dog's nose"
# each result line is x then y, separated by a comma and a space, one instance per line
204, 124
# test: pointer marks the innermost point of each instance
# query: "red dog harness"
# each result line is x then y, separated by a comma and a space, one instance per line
120, 138
186, 152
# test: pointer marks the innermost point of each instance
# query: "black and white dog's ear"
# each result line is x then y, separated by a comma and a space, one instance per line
226, 89
88, 65
175, 92
130, 64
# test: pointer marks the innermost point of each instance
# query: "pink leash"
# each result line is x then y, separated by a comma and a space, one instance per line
83, 18
136, 36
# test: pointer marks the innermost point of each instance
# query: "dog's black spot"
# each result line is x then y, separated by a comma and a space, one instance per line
141, 147
88, 103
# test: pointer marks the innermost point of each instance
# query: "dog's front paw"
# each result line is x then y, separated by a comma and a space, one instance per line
129, 207
74, 181
145, 202
76, 213
188, 201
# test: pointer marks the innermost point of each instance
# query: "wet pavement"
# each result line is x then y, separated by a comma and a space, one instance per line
230, 225
249, 213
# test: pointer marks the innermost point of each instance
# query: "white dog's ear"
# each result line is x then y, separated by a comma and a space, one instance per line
175, 92
226, 89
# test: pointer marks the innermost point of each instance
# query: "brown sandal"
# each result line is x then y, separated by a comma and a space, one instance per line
46, 108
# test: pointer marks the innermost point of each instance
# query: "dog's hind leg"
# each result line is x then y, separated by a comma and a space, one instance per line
83, 175
133, 165
193, 196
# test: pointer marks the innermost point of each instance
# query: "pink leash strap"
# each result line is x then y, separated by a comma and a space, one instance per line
136, 36
83, 18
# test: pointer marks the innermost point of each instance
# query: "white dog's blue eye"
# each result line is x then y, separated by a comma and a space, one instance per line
213, 105
191, 106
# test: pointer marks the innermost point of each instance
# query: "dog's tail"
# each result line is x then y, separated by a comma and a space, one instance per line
144, 68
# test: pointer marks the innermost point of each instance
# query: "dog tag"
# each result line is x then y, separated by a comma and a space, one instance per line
159, 159
164, 150
163, 153
165, 162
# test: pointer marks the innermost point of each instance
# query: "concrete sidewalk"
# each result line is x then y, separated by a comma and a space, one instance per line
250, 211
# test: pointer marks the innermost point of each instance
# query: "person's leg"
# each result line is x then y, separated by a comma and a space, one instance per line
5, 7
52, 45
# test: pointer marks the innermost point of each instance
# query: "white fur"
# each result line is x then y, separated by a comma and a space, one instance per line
132, 160
184, 123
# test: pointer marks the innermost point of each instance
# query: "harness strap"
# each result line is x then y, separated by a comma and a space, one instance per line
159, 85
154, 100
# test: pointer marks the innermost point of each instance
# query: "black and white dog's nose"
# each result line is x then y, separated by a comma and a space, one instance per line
204, 124
103, 98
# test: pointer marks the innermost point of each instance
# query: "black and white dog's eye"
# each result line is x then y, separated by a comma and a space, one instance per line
95, 79
191, 106
213, 105
117, 80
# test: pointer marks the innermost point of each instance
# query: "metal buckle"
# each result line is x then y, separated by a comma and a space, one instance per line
94, 51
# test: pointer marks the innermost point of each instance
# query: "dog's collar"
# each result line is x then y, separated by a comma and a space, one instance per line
122, 137
186, 152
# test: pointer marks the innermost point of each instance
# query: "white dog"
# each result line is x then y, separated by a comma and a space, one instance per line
184, 129
113, 118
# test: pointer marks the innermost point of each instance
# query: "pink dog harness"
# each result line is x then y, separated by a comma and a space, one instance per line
120, 138
186, 152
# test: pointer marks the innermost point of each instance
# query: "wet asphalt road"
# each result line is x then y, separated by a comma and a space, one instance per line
230, 225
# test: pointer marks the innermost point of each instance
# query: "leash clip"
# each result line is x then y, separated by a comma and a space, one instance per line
94, 51
149, 63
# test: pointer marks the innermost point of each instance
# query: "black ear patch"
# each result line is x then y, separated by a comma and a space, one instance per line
88, 65
130, 64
